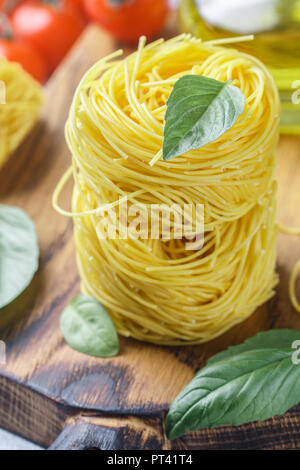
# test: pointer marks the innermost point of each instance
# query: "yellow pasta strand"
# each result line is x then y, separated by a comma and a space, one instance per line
296, 269
155, 289
20, 103
292, 287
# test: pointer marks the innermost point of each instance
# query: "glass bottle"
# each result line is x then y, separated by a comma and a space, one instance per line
276, 28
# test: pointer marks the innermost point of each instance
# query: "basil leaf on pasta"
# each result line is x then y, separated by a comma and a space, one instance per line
88, 328
19, 252
199, 111
250, 382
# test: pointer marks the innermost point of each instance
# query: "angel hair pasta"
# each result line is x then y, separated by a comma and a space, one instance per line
20, 103
155, 289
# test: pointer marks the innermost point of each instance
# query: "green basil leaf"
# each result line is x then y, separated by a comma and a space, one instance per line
199, 111
251, 385
88, 328
19, 253
272, 339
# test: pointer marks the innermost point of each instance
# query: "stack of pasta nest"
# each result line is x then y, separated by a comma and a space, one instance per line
155, 289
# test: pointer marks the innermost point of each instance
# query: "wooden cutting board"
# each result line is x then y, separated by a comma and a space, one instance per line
61, 398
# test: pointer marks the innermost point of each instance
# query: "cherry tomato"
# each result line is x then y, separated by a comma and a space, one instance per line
77, 6
127, 20
30, 60
50, 28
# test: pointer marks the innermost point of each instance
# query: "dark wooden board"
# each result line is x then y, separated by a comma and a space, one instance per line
54, 395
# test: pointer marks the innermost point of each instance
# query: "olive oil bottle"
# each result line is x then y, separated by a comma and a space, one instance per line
276, 28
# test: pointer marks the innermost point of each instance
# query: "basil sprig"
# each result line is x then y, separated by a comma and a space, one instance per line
250, 382
199, 111
88, 328
19, 252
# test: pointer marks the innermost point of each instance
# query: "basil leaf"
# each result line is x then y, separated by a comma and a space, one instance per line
272, 339
199, 111
88, 328
251, 385
19, 253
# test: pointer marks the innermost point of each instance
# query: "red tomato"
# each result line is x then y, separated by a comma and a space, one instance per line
77, 6
127, 20
30, 60
50, 28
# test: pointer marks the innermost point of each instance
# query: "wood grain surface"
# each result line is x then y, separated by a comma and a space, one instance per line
54, 395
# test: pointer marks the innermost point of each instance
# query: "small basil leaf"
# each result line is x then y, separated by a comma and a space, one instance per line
251, 385
272, 339
199, 111
88, 328
19, 253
